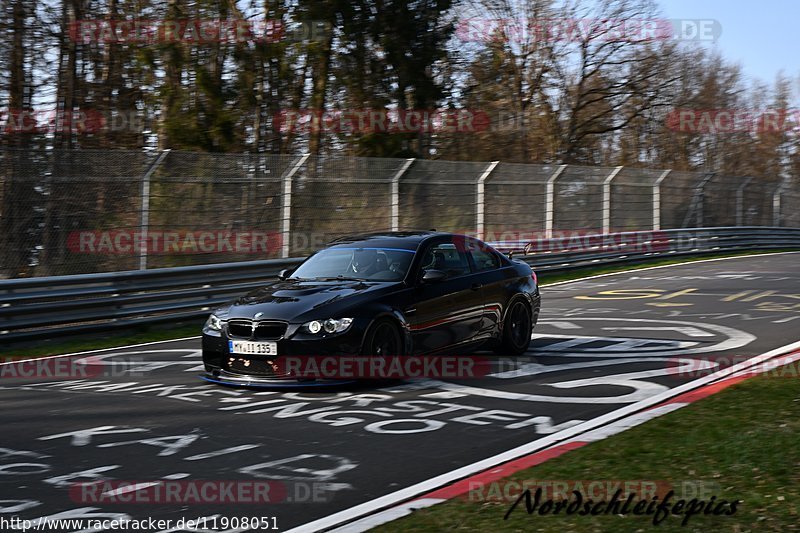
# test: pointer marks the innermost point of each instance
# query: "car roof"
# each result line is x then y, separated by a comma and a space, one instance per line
404, 240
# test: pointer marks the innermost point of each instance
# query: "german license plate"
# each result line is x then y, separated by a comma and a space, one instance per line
253, 347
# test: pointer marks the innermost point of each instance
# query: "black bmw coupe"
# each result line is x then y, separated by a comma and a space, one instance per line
380, 294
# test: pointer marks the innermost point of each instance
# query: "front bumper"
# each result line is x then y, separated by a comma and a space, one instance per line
222, 377
222, 366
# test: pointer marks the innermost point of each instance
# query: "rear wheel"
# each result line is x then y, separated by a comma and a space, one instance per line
517, 329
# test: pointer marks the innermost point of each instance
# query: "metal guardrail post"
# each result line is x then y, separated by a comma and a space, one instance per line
657, 200
549, 201
740, 201
396, 193
286, 206
145, 214
480, 213
698, 199
607, 200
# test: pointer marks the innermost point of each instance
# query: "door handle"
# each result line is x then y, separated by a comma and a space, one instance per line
476, 286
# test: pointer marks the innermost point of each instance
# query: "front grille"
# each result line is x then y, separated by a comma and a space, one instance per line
270, 330
240, 329
265, 330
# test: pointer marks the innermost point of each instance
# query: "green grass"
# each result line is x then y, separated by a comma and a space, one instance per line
124, 338
744, 440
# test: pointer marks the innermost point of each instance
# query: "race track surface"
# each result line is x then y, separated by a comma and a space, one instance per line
143, 414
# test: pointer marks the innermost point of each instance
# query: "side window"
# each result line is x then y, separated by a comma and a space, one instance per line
447, 258
484, 258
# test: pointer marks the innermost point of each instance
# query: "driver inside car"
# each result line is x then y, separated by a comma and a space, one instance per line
365, 262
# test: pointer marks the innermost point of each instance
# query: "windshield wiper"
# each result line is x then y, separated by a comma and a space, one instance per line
340, 278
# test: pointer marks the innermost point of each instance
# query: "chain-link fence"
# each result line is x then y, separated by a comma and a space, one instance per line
71, 212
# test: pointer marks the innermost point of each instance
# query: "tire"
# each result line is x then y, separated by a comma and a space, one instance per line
517, 329
383, 339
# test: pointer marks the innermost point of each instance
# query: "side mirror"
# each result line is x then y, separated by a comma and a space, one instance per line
285, 273
433, 276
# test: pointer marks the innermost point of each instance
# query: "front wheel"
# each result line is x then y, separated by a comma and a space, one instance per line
383, 339
517, 329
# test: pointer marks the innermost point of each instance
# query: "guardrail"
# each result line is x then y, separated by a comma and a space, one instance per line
65, 305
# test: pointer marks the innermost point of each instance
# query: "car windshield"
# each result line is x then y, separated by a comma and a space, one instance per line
363, 264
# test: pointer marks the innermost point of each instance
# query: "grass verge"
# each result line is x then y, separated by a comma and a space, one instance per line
741, 443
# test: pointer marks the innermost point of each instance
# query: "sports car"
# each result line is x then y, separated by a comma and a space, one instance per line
378, 294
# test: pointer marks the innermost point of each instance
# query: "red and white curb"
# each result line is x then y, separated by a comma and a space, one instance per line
458, 482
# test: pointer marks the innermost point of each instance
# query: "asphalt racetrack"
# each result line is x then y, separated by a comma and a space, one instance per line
142, 414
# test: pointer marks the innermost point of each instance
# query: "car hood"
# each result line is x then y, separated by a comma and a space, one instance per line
290, 299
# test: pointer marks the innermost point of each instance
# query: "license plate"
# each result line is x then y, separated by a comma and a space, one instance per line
253, 347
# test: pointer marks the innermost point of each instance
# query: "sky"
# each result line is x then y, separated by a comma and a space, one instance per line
762, 36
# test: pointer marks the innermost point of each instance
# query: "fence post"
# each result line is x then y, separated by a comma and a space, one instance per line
145, 214
657, 200
607, 199
776, 202
396, 193
549, 201
740, 201
286, 205
480, 213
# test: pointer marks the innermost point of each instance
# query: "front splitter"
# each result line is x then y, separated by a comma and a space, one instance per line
262, 382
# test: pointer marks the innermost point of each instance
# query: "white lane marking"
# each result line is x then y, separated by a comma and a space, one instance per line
177, 475
628, 422
144, 365
82, 437
688, 331
402, 495
529, 369
224, 451
18, 360
617, 344
735, 339
562, 324
642, 390
388, 515
131, 488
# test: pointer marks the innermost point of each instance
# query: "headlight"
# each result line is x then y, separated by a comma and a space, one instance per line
214, 323
331, 325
